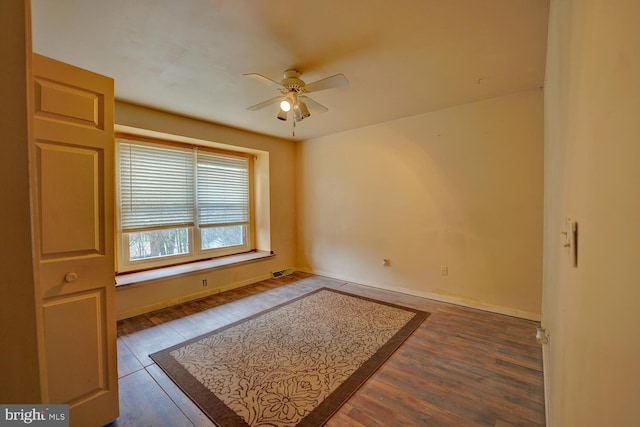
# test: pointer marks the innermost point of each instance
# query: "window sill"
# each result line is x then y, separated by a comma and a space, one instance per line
164, 272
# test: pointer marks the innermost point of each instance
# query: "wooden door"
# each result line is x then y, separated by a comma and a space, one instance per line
72, 151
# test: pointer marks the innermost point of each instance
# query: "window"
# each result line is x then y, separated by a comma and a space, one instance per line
179, 204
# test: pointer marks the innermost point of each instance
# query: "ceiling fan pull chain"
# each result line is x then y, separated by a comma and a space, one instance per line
293, 132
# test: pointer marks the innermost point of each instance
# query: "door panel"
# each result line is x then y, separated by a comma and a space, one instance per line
75, 372
71, 200
72, 177
69, 103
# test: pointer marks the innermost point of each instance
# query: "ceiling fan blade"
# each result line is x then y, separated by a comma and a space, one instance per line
337, 80
314, 105
264, 104
267, 80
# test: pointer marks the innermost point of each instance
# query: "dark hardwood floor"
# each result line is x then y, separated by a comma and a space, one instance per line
462, 367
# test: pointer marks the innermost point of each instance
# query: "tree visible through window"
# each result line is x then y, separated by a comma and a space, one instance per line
158, 243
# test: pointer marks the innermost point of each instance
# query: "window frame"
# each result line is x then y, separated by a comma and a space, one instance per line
195, 253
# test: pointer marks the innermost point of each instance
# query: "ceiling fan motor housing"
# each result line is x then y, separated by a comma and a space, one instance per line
291, 81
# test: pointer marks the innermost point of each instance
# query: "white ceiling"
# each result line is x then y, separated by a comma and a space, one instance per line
402, 57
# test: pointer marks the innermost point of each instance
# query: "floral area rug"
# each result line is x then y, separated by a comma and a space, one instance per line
292, 365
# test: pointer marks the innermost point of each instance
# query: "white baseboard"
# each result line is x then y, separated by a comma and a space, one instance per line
451, 299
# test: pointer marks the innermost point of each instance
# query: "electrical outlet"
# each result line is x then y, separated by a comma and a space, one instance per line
444, 270
204, 282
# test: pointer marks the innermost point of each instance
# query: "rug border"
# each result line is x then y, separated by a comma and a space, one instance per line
209, 403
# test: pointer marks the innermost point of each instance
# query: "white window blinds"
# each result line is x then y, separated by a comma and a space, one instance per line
156, 186
222, 189
164, 186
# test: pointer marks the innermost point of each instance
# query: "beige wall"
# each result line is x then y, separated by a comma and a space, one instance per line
281, 214
592, 175
460, 187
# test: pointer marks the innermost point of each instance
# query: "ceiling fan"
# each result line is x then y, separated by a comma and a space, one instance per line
293, 91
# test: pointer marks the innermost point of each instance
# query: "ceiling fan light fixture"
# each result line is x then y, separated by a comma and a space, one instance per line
304, 111
282, 114
290, 101
285, 105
